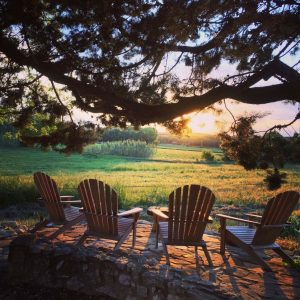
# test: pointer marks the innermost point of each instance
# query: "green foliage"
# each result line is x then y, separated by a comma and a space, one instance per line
225, 158
296, 263
250, 150
121, 148
208, 156
242, 145
292, 148
292, 231
16, 190
148, 135
8, 135
253, 151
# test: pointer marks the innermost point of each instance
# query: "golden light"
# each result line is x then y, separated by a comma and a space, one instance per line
202, 123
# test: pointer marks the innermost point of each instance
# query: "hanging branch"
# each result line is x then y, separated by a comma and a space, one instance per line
60, 101
234, 120
282, 126
176, 63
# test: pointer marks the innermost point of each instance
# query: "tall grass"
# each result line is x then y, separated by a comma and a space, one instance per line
137, 182
16, 190
123, 148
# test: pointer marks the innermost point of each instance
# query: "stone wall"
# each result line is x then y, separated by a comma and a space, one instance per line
88, 270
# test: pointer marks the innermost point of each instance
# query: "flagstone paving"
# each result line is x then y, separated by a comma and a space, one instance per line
234, 275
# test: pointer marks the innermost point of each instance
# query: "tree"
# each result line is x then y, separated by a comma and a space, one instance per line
243, 145
114, 59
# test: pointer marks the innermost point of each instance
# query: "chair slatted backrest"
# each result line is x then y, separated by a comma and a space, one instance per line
100, 203
275, 216
189, 210
49, 192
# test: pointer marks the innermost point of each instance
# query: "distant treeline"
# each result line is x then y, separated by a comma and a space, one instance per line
6, 136
151, 136
195, 139
287, 148
147, 134
121, 148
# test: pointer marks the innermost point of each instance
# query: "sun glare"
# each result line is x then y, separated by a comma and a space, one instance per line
202, 123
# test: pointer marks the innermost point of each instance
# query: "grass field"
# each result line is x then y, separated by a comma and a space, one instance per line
141, 182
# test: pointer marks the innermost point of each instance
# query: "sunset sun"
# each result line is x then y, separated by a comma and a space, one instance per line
202, 123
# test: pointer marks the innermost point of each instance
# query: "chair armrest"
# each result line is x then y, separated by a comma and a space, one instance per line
130, 212
70, 201
237, 219
67, 197
253, 216
159, 213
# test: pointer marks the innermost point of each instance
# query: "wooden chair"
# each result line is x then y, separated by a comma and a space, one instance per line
189, 210
268, 227
59, 207
100, 204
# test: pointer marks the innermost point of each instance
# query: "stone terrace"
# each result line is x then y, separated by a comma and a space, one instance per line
141, 273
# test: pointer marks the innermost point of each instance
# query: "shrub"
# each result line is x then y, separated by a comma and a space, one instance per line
225, 158
208, 156
292, 231
122, 148
274, 179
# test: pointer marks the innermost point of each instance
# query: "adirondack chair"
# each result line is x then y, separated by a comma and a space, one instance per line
59, 207
189, 209
268, 227
100, 204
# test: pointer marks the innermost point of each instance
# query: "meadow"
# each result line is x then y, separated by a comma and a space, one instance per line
138, 181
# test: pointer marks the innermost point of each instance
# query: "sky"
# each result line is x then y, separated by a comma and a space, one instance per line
277, 113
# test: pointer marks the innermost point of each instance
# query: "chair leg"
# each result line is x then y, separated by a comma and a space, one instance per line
223, 235
82, 239
166, 253
196, 255
259, 260
283, 255
122, 239
156, 224
133, 235
67, 226
39, 226
248, 249
204, 247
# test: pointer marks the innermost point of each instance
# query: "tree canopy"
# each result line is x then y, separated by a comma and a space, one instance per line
118, 60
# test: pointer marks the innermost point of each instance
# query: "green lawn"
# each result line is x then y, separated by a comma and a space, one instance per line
138, 181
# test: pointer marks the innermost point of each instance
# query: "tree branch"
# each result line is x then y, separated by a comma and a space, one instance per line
282, 126
108, 100
60, 101
217, 40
